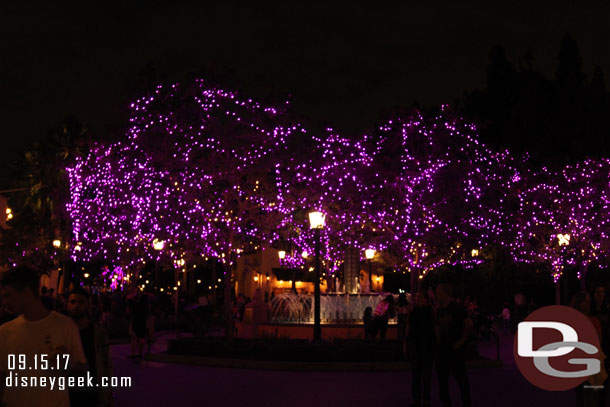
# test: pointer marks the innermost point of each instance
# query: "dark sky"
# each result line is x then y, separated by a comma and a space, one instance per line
344, 64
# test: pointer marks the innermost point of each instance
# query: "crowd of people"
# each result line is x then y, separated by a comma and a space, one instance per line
42, 339
435, 328
431, 331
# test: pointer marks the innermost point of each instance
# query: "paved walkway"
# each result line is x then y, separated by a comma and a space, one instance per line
159, 384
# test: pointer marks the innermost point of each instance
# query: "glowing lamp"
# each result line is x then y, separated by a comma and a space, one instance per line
304, 254
474, 252
57, 243
563, 240
369, 253
158, 244
282, 254
316, 220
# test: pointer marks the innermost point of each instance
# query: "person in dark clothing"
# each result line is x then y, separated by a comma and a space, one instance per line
402, 312
455, 327
138, 312
97, 351
601, 310
367, 319
383, 312
422, 333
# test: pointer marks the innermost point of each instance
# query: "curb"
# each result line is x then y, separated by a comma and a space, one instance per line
302, 366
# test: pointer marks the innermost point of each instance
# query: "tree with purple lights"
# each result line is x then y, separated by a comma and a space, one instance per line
443, 194
333, 177
206, 174
563, 218
196, 173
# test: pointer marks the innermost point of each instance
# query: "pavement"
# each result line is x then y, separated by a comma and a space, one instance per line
170, 384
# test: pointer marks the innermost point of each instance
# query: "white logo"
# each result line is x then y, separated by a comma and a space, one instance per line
525, 341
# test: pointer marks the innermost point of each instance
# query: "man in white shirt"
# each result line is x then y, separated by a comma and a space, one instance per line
37, 331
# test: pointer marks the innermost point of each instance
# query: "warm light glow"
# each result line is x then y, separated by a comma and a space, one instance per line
158, 244
57, 243
198, 281
377, 278
86, 275
282, 254
304, 254
369, 253
474, 252
316, 220
256, 278
563, 240
267, 278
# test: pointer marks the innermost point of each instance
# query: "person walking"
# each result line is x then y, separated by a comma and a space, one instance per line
36, 331
381, 317
97, 350
137, 309
587, 394
422, 336
601, 310
455, 327
402, 312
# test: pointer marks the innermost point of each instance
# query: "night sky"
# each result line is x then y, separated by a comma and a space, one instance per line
344, 65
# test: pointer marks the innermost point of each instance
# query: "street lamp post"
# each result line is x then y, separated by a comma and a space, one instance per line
563, 240
316, 222
282, 256
158, 245
369, 254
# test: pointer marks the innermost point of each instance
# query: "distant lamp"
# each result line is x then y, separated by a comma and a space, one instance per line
158, 244
282, 254
474, 252
57, 243
369, 253
9, 214
563, 240
304, 254
256, 278
86, 275
316, 220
